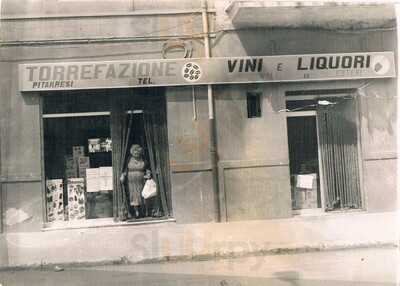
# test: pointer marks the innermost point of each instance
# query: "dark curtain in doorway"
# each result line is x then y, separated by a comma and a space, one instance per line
338, 138
155, 127
121, 125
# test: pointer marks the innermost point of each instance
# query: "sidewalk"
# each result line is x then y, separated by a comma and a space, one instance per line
361, 267
171, 241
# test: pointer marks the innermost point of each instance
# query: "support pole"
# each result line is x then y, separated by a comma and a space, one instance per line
397, 9
212, 128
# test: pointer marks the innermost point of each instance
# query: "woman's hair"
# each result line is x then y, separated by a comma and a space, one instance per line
136, 146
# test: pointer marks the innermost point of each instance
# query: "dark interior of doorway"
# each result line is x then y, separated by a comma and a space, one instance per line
141, 116
303, 160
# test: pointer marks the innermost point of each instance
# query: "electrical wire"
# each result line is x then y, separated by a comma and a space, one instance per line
340, 99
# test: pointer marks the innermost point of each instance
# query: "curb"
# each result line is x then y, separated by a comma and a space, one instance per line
203, 257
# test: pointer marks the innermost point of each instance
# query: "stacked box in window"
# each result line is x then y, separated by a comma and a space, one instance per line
76, 198
83, 164
71, 167
55, 202
78, 151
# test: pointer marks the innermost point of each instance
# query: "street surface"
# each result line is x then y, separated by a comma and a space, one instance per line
361, 267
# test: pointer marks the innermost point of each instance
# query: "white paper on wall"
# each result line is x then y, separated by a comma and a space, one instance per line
305, 181
92, 180
106, 171
106, 178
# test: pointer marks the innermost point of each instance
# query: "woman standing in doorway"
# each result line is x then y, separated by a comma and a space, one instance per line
135, 172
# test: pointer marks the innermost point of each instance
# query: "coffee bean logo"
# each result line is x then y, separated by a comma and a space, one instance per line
191, 72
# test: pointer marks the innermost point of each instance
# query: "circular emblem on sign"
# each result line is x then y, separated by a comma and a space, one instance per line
191, 72
380, 65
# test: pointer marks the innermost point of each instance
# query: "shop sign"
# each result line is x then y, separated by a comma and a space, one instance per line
175, 72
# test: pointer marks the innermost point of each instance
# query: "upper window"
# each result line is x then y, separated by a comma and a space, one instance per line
253, 104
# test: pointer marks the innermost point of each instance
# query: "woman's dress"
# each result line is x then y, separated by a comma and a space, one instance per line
136, 170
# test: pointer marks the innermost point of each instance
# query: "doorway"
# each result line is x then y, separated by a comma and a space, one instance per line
304, 161
323, 141
140, 123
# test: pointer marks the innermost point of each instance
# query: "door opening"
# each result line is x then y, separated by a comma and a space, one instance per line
304, 163
324, 151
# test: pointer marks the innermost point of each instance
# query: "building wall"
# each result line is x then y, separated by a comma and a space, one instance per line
188, 137
239, 142
253, 167
379, 148
42, 23
254, 174
377, 99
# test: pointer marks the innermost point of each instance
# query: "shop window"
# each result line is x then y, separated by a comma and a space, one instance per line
253, 104
77, 156
88, 141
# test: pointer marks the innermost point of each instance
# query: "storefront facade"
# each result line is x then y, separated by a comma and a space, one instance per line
309, 138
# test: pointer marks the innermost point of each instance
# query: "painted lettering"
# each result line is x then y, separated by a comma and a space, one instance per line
44, 73
170, 69
300, 64
368, 61
231, 65
98, 70
260, 65
245, 65
58, 73
157, 69
31, 69
321, 63
124, 68
111, 72
334, 64
347, 62
72, 72
86, 71
241, 63
359, 62
144, 69
251, 65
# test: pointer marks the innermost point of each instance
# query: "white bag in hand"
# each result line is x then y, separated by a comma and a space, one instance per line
149, 189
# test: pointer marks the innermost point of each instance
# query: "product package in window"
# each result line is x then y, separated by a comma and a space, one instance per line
83, 164
96, 145
71, 167
78, 151
55, 202
76, 198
